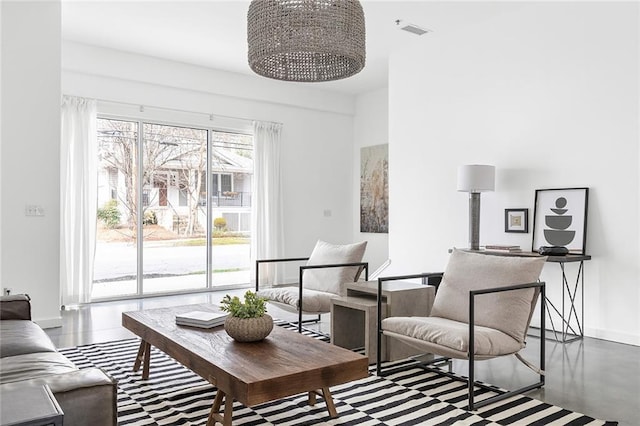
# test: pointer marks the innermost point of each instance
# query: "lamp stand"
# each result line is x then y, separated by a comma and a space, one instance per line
474, 220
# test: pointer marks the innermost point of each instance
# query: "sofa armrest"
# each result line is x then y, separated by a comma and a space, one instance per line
15, 307
87, 396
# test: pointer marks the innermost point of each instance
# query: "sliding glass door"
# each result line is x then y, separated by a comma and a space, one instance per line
231, 174
116, 257
174, 209
174, 221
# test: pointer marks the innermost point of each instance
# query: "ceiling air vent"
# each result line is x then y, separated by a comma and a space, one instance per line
411, 28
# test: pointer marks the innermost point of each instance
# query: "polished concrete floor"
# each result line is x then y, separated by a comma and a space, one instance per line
595, 377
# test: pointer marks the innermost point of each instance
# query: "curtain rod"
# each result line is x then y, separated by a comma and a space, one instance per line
211, 116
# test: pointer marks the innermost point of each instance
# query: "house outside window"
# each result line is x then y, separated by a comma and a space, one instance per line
222, 182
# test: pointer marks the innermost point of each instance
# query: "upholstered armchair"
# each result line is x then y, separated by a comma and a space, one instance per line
324, 276
482, 310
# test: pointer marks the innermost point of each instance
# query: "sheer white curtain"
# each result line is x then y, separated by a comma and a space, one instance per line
78, 198
268, 241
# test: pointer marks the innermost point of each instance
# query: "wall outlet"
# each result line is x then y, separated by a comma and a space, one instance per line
33, 210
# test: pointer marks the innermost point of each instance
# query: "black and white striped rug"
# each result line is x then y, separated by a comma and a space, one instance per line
175, 396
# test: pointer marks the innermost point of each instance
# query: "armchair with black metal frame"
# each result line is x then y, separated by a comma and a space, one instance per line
483, 302
324, 276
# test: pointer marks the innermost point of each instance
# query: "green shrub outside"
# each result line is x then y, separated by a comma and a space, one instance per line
110, 214
150, 218
220, 223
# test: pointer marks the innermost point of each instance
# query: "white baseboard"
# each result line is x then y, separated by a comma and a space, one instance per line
49, 322
613, 336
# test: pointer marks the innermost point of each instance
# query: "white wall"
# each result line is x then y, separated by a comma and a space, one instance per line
317, 150
1, 61
30, 153
371, 127
548, 93
244, 95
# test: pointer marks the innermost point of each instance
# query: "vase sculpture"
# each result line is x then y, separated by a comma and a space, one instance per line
248, 329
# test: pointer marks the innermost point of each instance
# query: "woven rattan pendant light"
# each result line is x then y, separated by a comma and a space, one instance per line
306, 40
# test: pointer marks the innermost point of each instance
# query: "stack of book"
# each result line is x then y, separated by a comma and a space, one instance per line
501, 247
202, 319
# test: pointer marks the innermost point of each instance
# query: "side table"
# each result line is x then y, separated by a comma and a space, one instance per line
400, 298
28, 405
571, 325
353, 324
570, 330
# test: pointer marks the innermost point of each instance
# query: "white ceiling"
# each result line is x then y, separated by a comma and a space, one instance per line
213, 33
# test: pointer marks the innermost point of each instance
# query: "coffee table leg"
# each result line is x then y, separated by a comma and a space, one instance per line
328, 399
143, 357
228, 411
139, 357
214, 415
217, 401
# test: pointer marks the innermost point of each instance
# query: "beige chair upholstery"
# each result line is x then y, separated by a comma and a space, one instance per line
483, 302
324, 276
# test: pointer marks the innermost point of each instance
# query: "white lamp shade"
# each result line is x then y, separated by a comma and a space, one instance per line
476, 178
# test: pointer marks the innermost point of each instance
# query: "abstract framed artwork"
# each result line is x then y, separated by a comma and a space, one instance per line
374, 189
560, 219
516, 220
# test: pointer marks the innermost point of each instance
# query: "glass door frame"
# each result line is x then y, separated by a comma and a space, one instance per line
140, 217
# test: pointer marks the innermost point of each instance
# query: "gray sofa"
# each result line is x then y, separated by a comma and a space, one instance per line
28, 357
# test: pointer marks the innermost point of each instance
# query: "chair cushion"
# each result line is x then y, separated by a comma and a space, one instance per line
312, 301
453, 335
510, 311
332, 280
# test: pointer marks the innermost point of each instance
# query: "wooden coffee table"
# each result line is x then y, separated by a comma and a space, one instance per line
284, 364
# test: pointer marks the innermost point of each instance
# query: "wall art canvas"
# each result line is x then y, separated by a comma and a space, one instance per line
560, 219
374, 189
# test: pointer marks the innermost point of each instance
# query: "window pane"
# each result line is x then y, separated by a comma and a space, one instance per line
225, 183
172, 208
174, 248
231, 174
214, 184
182, 198
115, 265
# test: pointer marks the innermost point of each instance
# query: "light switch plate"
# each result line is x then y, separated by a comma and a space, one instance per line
33, 210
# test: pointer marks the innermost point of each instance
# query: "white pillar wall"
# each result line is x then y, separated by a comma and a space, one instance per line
552, 103
30, 168
371, 127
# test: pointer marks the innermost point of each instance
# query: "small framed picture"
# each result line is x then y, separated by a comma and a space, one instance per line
516, 220
560, 219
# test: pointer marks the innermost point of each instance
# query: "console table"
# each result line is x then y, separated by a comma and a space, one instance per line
568, 333
571, 324
353, 317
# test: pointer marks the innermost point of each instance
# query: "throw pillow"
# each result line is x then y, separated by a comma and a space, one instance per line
332, 280
509, 311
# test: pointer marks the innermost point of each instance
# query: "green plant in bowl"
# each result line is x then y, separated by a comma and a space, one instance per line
254, 306
247, 321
